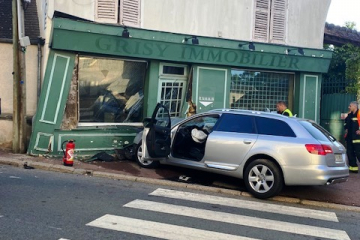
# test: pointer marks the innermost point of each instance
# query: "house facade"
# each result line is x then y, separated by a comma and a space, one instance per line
109, 62
34, 26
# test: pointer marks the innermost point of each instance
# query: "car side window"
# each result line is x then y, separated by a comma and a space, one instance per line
236, 123
204, 122
269, 126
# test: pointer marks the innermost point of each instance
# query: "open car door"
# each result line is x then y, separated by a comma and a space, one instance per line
156, 135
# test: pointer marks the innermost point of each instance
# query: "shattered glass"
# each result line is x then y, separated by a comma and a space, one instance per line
111, 90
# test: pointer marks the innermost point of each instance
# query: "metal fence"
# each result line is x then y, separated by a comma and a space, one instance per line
336, 85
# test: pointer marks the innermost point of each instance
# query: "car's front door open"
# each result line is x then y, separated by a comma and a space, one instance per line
158, 139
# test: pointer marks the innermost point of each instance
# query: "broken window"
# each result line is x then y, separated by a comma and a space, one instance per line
111, 91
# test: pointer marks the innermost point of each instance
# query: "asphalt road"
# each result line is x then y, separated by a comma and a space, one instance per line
37, 204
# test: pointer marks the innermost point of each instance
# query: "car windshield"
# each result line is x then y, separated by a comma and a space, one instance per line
317, 131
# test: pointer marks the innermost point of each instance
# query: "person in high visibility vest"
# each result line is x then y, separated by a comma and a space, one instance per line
352, 136
281, 108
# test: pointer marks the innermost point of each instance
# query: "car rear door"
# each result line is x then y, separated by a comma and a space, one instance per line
230, 141
156, 135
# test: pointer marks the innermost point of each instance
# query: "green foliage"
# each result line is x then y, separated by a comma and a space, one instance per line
345, 64
351, 25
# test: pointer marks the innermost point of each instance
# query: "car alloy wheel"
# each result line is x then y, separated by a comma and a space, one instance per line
145, 163
263, 178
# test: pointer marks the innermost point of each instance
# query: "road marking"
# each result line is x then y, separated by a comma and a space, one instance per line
252, 205
15, 177
239, 219
158, 230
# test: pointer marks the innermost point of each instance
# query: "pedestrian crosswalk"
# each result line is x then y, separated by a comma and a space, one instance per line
166, 230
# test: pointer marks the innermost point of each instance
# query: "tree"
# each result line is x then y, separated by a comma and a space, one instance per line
345, 64
351, 25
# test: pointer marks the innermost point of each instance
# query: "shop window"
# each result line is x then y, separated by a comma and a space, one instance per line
260, 91
110, 91
124, 12
270, 20
172, 85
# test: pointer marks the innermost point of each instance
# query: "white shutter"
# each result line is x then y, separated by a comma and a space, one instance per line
106, 11
262, 19
130, 13
278, 21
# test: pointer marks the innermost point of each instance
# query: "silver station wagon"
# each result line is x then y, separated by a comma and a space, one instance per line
266, 150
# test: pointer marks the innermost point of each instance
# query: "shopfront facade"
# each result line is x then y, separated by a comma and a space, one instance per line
99, 84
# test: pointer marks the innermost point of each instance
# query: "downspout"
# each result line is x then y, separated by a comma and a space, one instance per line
41, 42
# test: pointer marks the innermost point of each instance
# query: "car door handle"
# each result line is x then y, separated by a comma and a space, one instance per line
248, 141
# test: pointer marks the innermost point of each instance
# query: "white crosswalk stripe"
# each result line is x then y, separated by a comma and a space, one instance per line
159, 230
239, 219
166, 230
252, 205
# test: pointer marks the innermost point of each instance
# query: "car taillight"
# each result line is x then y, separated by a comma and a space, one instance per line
319, 149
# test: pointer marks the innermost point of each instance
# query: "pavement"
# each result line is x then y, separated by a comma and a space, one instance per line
342, 196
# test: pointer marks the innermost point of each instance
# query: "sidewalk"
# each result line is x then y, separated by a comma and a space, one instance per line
345, 196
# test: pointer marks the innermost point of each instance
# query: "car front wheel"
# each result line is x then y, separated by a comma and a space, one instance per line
263, 178
145, 163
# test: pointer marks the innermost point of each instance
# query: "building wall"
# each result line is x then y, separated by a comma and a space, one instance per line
307, 23
6, 87
229, 19
83, 9
215, 18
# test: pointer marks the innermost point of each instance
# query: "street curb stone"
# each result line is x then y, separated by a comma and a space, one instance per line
116, 176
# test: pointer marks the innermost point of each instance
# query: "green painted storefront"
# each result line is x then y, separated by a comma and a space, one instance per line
213, 60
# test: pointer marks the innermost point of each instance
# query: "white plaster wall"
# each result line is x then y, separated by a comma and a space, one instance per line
6, 134
306, 22
79, 8
6, 78
230, 19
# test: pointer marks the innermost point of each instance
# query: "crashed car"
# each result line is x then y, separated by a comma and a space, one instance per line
266, 150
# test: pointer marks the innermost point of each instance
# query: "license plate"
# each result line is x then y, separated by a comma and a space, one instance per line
338, 158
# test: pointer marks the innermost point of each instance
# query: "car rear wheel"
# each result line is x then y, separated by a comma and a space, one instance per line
145, 163
263, 178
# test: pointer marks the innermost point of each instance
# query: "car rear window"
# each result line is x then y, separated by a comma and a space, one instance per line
236, 123
318, 132
269, 126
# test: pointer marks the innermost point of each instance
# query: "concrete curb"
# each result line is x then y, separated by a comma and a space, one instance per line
116, 176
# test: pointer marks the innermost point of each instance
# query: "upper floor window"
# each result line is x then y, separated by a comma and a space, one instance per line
270, 20
124, 12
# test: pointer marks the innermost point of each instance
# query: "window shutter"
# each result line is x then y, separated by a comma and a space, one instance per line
278, 21
262, 19
130, 13
106, 11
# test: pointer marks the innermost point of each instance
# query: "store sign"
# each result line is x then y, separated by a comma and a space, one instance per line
81, 41
195, 54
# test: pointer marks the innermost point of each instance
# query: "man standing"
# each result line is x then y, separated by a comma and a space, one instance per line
281, 108
352, 136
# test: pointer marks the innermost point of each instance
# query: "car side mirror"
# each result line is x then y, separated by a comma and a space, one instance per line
147, 122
